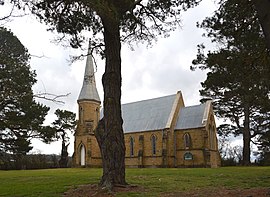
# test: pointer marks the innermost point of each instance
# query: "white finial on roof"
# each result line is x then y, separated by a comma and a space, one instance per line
89, 89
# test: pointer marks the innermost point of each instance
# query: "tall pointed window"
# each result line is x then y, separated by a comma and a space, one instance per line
214, 138
82, 155
211, 137
187, 141
131, 141
154, 144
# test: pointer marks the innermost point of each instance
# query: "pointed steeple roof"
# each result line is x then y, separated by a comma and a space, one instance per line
89, 89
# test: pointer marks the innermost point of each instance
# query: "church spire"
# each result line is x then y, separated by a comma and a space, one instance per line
89, 89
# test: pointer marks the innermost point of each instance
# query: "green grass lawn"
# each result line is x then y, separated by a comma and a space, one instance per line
54, 182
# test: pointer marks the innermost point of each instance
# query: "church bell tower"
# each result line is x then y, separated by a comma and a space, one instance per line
89, 114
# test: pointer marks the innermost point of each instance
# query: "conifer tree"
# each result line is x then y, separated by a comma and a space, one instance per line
238, 80
21, 117
66, 121
263, 9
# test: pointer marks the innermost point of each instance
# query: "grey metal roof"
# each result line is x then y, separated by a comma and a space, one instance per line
89, 90
153, 114
147, 115
191, 117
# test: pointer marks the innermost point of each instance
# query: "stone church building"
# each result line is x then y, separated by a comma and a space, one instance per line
159, 132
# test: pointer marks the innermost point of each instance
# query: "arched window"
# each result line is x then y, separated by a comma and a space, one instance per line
131, 141
211, 137
187, 141
154, 144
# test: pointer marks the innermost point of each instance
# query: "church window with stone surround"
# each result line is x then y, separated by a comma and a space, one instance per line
131, 140
212, 137
187, 141
154, 144
82, 155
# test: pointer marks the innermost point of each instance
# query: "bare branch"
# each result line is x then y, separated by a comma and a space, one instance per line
39, 56
8, 17
97, 47
51, 97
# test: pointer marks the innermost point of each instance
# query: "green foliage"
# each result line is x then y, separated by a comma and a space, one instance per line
12, 52
262, 8
21, 117
238, 80
29, 161
139, 21
66, 121
156, 182
264, 149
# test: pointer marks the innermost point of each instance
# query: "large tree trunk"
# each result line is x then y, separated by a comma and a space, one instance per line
109, 133
246, 138
263, 10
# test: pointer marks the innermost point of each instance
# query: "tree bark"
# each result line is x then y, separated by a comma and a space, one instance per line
263, 11
246, 138
109, 132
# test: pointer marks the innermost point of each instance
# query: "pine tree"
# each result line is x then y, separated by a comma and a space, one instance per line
21, 117
263, 9
239, 70
66, 121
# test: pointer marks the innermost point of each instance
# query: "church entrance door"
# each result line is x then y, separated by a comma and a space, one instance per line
82, 155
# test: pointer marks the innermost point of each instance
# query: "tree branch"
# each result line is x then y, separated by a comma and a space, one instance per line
51, 97
10, 15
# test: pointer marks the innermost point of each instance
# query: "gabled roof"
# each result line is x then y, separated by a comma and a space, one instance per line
191, 117
147, 115
154, 114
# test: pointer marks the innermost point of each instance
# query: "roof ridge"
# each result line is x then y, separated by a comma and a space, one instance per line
148, 99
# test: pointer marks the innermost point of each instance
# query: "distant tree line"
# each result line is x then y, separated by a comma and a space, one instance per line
30, 161
232, 155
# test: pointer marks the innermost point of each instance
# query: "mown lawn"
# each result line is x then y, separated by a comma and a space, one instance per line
155, 181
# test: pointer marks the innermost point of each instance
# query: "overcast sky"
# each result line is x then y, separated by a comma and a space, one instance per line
146, 72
